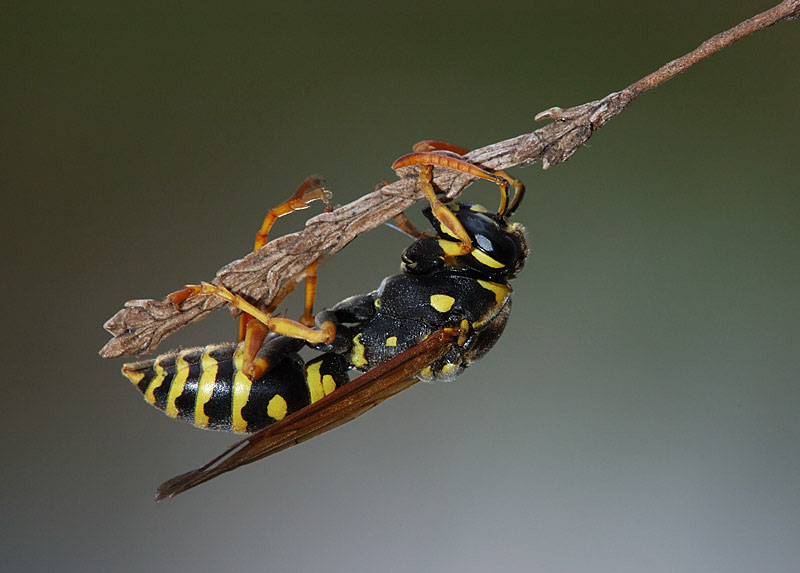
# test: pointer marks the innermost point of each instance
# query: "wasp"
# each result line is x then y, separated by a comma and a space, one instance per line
445, 310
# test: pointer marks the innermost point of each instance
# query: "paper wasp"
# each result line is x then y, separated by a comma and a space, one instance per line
444, 311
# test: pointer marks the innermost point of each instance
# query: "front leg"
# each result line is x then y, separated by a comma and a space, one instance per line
449, 222
505, 208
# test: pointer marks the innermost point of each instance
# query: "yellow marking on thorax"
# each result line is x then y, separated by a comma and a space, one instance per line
391, 341
357, 355
277, 407
205, 388
500, 291
181, 376
485, 259
132, 375
314, 382
241, 391
156, 382
442, 302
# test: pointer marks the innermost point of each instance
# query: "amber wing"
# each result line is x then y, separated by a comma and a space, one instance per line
343, 405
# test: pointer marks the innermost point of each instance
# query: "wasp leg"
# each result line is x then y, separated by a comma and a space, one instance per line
436, 145
406, 226
256, 332
519, 187
311, 293
252, 330
268, 354
310, 190
178, 297
353, 310
450, 223
323, 333
426, 160
519, 193
356, 309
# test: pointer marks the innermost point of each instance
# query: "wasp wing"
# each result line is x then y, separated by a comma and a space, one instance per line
342, 405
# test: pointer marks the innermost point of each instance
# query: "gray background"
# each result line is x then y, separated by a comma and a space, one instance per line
639, 414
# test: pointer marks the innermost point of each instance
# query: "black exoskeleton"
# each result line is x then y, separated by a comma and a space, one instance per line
446, 280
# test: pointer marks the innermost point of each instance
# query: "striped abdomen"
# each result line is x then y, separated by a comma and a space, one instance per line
205, 386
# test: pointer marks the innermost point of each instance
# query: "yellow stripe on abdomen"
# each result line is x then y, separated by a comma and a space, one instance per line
181, 375
205, 388
328, 384
241, 391
357, 354
314, 382
132, 375
500, 291
156, 383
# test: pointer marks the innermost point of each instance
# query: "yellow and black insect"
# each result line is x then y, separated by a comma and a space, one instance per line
445, 310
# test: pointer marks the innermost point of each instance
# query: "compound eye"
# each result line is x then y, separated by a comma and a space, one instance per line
504, 248
488, 233
498, 252
484, 243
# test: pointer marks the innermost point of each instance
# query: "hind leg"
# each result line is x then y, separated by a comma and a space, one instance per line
309, 190
323, 333
253, 332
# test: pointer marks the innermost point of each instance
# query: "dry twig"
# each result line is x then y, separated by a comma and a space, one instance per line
142, 324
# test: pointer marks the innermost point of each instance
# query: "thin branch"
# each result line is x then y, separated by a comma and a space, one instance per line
142, 324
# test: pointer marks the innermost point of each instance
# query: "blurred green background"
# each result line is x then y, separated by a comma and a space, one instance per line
641, 412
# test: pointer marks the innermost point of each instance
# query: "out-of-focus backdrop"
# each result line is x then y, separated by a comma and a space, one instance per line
642, 410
